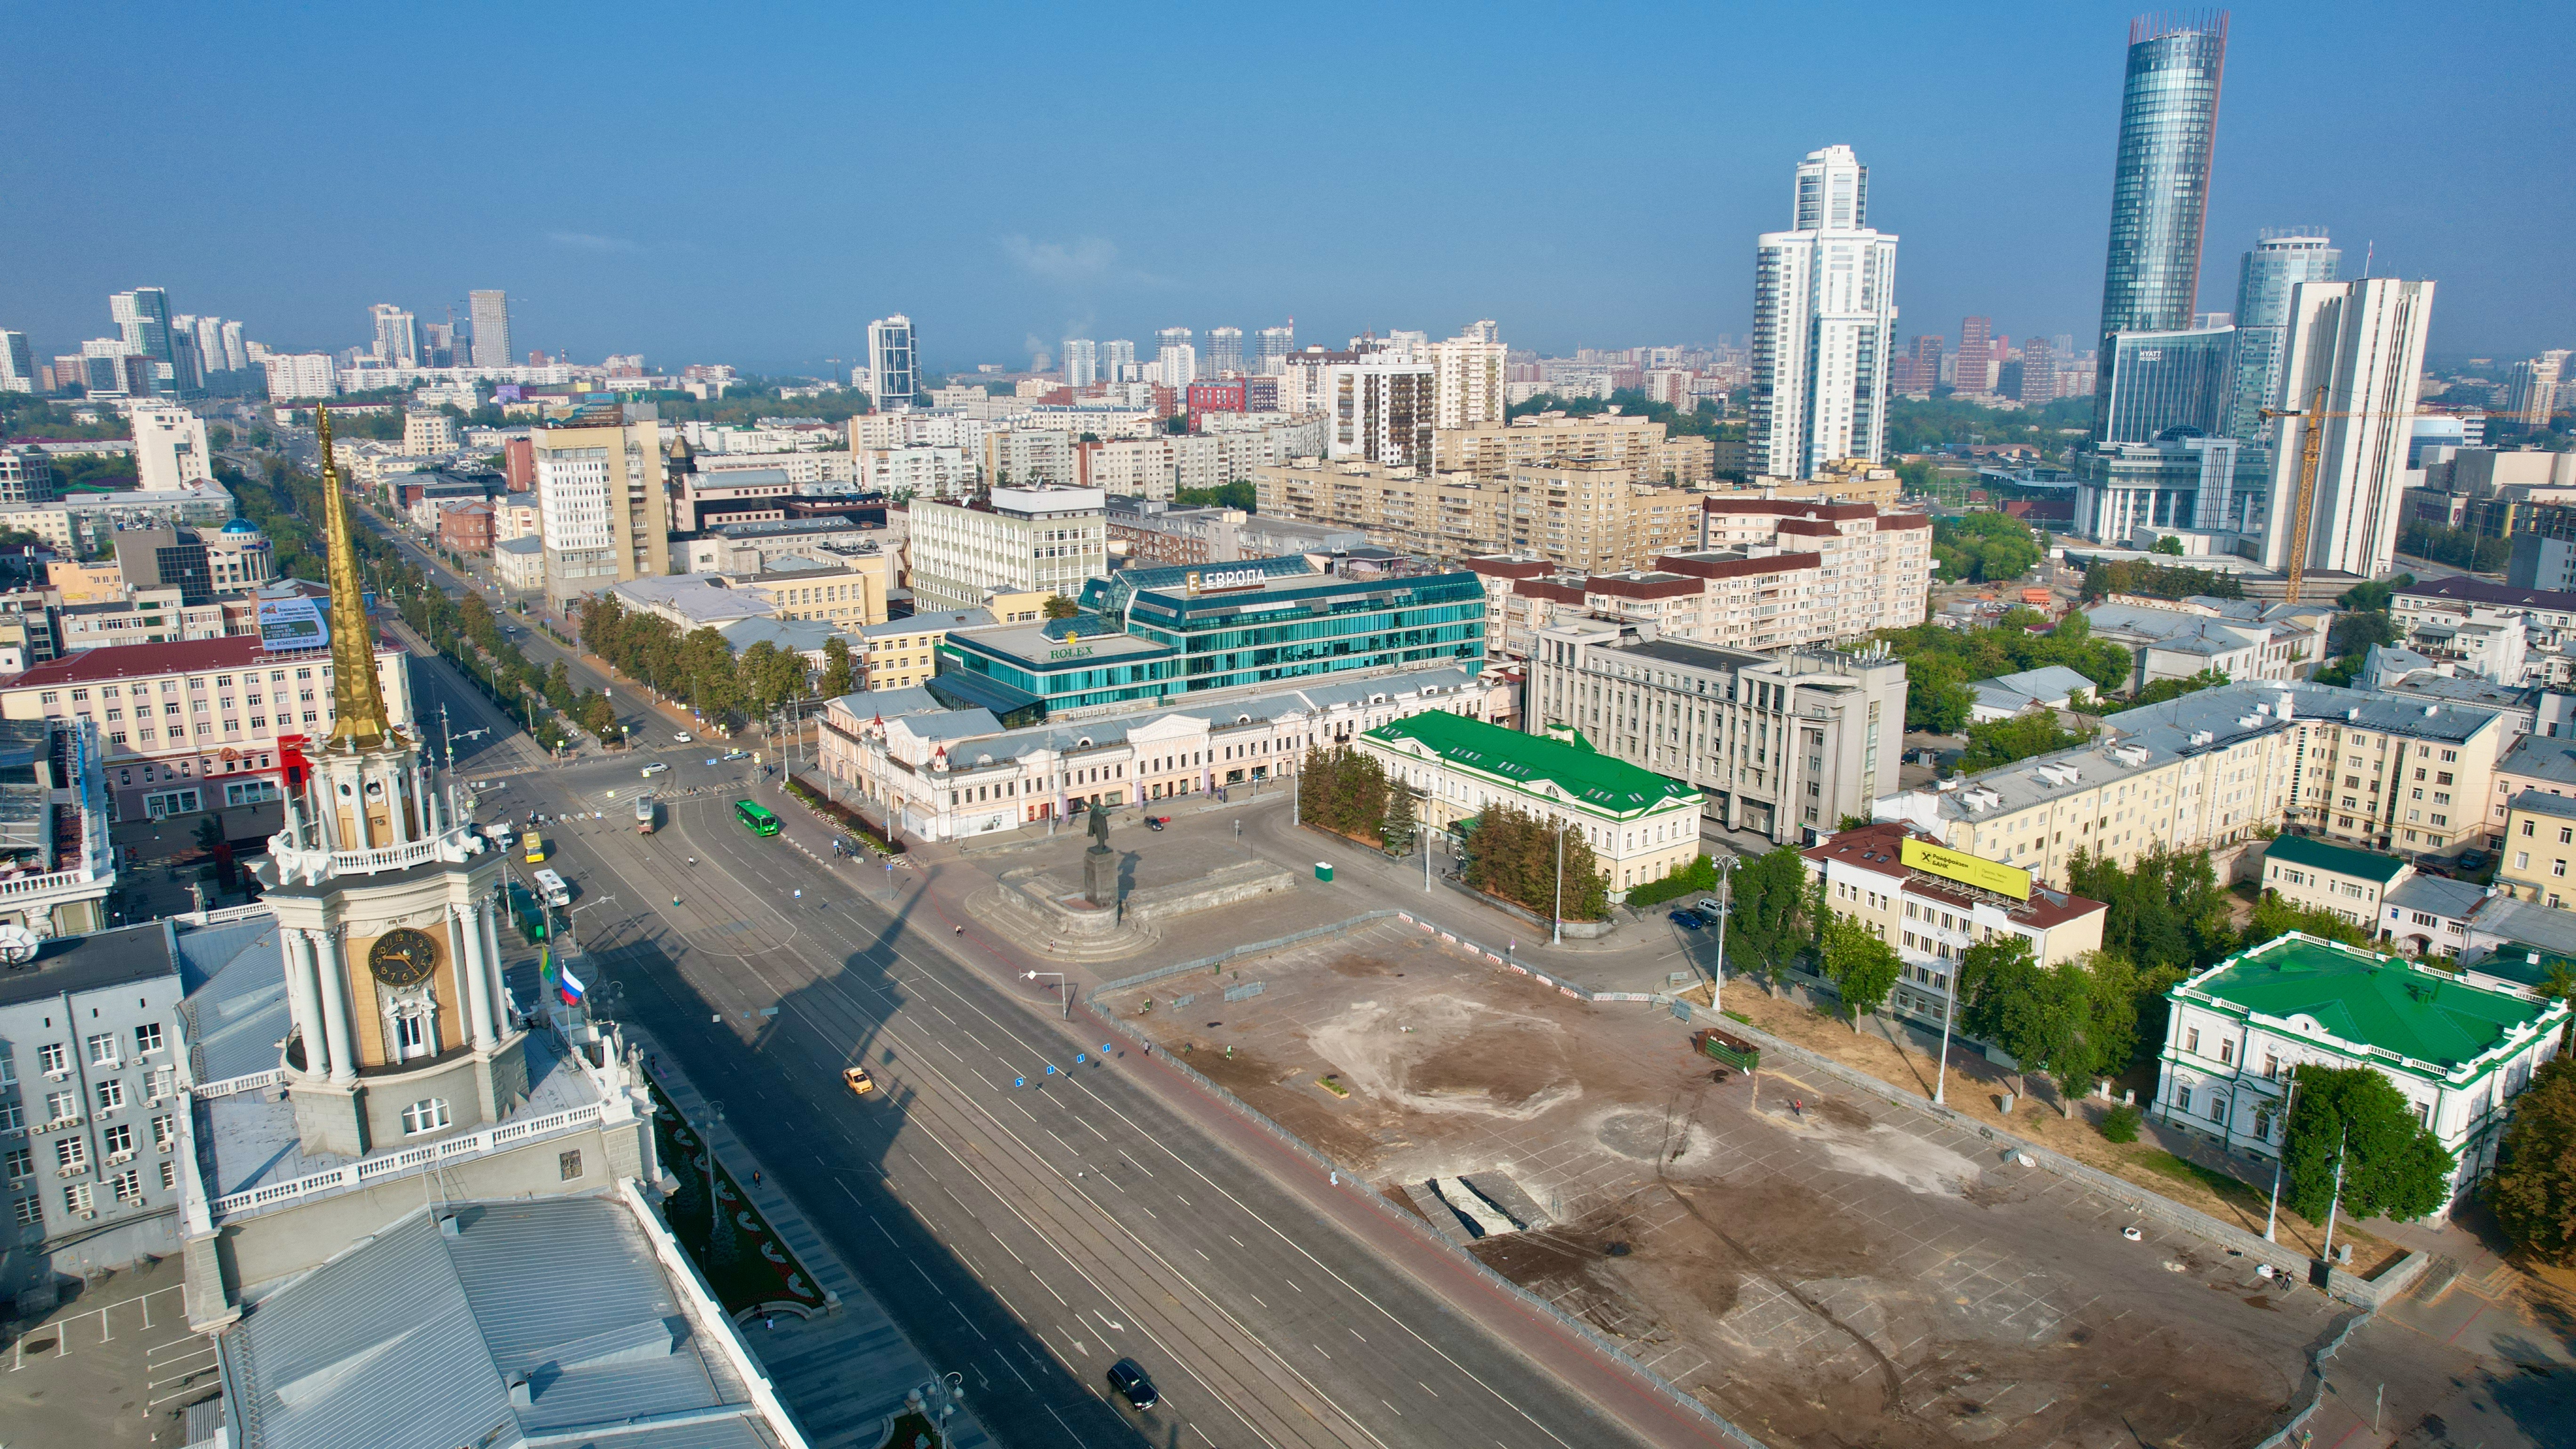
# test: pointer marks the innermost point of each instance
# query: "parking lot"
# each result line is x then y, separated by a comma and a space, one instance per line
1821, 1268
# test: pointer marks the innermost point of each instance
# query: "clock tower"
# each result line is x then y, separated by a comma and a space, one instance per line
387, 905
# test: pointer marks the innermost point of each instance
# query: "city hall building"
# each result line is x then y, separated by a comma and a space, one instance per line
1160, 634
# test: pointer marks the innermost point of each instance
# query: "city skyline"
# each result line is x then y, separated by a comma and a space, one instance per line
2002, 199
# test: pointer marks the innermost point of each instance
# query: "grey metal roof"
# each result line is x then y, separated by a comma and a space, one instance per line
2540, 757
923, 623
544, 1316
892, 703
2528, 922
2484, 693
800, 635
236, 1008
1112, 729
2541, 802
2437, 895
87, 963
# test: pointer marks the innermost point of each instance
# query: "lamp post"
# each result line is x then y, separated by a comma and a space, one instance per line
1556, 924
1725, 908
2334, 1204
2272, 1214
1949, 1008
1063, 989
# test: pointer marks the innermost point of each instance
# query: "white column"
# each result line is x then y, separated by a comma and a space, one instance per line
298, 948
474, 971
490, 915
335, 1008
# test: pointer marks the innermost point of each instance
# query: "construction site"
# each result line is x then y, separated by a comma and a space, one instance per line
1822, 1269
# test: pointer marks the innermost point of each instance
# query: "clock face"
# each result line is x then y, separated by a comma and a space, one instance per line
403, 957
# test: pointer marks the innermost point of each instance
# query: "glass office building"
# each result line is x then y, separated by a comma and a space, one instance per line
2160, 381
1163, 633
2160, 185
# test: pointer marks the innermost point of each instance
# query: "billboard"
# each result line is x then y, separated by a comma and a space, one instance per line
289, 624
1985, 875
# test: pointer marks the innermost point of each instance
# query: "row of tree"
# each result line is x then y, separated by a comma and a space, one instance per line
701, 668
1347, 792
1941, 661
1989, 548
2155, 580
2458, 547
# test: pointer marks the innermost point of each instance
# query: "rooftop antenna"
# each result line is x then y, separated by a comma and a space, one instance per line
2367, 249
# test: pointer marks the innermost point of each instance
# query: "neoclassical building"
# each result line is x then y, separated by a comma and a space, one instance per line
387, 908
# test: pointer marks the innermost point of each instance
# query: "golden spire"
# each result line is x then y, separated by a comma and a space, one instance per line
357, 699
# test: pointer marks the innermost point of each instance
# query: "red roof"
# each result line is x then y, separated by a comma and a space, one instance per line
1788, 507
1645, 588
143, 661
1511, 568
1737, 568
1892, 521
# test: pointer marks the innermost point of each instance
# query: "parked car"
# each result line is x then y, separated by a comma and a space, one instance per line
1157, 822
2473, 860
655, 768
1130, 1380
684, 737
1687, 920
858, 1081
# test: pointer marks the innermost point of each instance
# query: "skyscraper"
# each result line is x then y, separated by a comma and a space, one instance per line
1467, 377
2160, 183
17, 363
2362, 343
1224, 351
491, 312
1118, 361
2038, 373
1270, 345
1974, 371
397, 335
2534, 388
894, 363
1179, 361
1081, 362
143, 320
1824, 319
2279, 261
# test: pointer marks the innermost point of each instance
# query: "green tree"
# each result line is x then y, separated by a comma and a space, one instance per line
1862, 967
599, 716
1767, 928
1057, 606
1935, 698
1985, 547
1225, 495
2000, 742
2393, 1167
2165, 689
2274, 918
2168, 544
1399, 827
2534, 1192
840, 673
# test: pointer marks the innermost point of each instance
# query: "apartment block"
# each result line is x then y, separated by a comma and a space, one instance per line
1783, 745
1026, 539
1587, 516
603, 500
2207, 771
1491, 450
1030, 458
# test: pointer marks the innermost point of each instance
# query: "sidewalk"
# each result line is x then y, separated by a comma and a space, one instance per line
845, 1371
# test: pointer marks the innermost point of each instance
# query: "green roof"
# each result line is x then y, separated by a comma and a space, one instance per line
2380, 1001
1529, 763
2339, 859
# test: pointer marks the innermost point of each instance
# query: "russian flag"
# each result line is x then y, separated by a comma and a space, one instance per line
569, 985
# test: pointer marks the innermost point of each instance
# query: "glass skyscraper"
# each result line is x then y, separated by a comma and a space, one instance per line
2279, 261
2161, 381
2160, 187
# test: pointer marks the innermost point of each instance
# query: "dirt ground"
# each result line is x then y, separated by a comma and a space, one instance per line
1977, 1087
1822, 1269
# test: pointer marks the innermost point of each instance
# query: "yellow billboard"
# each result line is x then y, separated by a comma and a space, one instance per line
1985, 875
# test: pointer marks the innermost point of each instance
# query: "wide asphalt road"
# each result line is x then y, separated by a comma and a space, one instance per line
1028, 1228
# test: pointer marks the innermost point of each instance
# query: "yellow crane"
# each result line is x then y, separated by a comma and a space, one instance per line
2304, 505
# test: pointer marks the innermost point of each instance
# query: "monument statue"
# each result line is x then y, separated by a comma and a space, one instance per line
1099, 864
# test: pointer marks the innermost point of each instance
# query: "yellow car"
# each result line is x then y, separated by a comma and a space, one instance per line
858, 1081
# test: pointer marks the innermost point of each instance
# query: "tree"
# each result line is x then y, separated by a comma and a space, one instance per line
599, 716
2393, 1167
1398, 828
1767, 928
1225, 495
2274, 918
2165, 689
2534, 1193
1935, 698
840, 675
2000, 742
1862, 967
1986, 547
1057, 606
2168, 544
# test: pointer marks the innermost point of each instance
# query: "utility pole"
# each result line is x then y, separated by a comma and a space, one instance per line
2335, 1204
1556, 924
1725, 908
2272, 1214
1949, 1009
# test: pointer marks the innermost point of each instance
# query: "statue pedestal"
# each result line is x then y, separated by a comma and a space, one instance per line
1100, 877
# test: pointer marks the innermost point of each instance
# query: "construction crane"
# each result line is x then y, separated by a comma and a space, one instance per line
2303, 508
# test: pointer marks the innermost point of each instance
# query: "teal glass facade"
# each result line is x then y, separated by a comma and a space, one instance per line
1295, 625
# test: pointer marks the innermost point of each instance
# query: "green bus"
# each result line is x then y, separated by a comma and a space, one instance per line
755, 819
527, 913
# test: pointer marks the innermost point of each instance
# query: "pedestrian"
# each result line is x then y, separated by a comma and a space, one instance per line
961, 930
755, 1177
1798, 1106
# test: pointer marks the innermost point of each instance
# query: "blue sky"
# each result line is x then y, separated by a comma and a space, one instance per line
723, 183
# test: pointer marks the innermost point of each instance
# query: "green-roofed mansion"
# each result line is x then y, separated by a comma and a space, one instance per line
1640, 824
2459, 1053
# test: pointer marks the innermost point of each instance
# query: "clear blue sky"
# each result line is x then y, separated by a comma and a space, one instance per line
744, 184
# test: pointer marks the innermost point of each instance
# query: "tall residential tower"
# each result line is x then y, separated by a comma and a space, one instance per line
1824, 325
491, 311
2279, 262
894, 363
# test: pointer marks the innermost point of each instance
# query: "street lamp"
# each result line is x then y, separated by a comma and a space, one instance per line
2272, 1214
1725, 908
1556, 923
1062, 988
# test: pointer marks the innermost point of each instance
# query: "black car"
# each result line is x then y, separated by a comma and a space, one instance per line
1130, 1380
1687, 920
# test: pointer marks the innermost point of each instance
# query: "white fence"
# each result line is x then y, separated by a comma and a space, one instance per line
371, 1170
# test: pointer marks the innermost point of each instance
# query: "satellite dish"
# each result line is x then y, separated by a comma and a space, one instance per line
17, 945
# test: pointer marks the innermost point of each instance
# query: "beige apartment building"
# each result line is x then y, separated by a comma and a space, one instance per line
1491, 450
1588, 516
2207, 771
602, 499
1937, 904
900, 653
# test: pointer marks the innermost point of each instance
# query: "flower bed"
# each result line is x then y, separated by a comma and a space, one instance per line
745, 1267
